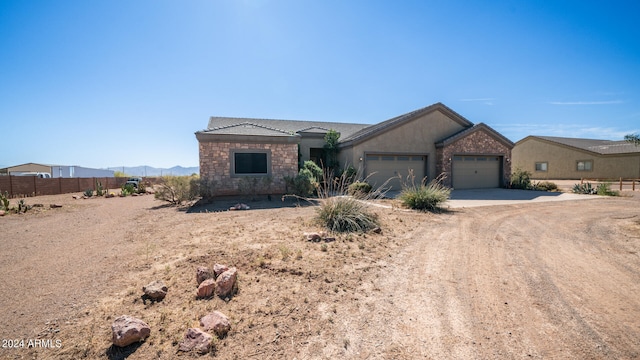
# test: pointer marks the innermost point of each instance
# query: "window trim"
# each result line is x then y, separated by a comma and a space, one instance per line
590, 162
546, 166
232, 161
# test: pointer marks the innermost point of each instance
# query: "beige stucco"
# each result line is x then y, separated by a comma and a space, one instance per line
30, 167
417, 136
562, 161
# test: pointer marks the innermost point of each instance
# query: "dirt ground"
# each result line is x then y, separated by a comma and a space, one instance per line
556, 280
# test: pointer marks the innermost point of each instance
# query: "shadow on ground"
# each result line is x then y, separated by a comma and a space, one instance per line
224, 203
500, 194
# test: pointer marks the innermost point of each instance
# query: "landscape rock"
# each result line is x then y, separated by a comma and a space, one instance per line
216, 321
240, 206
2, 213
196, 339
226, 283
202, 273
76, 197
156, 290
53, 206
127, 330
219, 269
377, 230
206, 288
313, 236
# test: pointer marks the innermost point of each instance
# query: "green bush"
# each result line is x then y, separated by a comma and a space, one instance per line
346, 214
424, 197
604, 189
128, 189
520, 179
88, 193
306, 182
545, 186
177, 189
359, 188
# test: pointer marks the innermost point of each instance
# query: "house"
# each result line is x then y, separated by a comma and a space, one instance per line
429, 141
55, 171
547, 157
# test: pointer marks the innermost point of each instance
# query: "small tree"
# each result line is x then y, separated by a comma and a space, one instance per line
633, 138
331, 149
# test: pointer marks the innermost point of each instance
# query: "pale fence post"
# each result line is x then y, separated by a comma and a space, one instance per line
620, 184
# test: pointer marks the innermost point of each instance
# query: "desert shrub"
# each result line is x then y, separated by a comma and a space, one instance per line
520, 179
176, 189
204, 187
306, 181
604, 189
585, 188
88, 193
346, 214
424, 196
254, 185
545, 186
312, 168
359, 188
142, 188
127, 189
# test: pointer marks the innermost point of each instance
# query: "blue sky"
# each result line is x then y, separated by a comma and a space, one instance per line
125, 83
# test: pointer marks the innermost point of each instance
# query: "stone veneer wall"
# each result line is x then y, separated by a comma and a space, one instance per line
477, 143
215, 164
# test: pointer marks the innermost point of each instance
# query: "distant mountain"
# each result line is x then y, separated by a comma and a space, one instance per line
152, 171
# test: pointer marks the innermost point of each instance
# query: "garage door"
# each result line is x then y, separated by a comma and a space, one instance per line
475, 172
385, 167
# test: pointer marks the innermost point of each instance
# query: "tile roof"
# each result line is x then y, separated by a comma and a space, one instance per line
272, 127
602, 147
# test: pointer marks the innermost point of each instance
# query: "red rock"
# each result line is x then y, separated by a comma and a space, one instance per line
2, 213
127, 330
202, 273
219, 269
196, 339
226, 283
216, 321
206, 288
156, 290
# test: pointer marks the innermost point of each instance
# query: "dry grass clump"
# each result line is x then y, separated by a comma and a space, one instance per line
424, 196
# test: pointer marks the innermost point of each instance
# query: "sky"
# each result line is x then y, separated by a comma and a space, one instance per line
126, 83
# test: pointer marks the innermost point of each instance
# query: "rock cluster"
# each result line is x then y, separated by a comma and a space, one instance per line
222, 281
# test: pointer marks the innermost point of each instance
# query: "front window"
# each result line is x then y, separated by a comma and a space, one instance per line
251, 163
541, 166
586, 165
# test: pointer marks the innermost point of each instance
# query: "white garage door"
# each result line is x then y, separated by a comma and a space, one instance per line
475, 172
385, 167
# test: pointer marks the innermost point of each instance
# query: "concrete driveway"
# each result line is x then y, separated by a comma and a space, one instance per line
490, 197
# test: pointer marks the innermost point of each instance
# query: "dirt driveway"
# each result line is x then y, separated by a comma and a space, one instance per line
557, 280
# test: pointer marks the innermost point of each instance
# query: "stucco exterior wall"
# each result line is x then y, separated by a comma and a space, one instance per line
562, 162
476, 143
215, 165
417, 136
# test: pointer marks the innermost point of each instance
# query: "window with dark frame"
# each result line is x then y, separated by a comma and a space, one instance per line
250, 163
585, 165
541, 166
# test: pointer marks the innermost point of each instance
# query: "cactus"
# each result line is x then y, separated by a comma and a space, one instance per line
4, 199
99, 189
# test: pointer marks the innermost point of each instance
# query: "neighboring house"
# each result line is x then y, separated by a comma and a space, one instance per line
547, 157
56, 171
429, 141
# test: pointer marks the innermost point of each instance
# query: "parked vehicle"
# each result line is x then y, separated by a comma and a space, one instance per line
41, 175
135, 181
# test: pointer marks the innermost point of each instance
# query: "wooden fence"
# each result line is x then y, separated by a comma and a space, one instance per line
24, 186
620, 183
